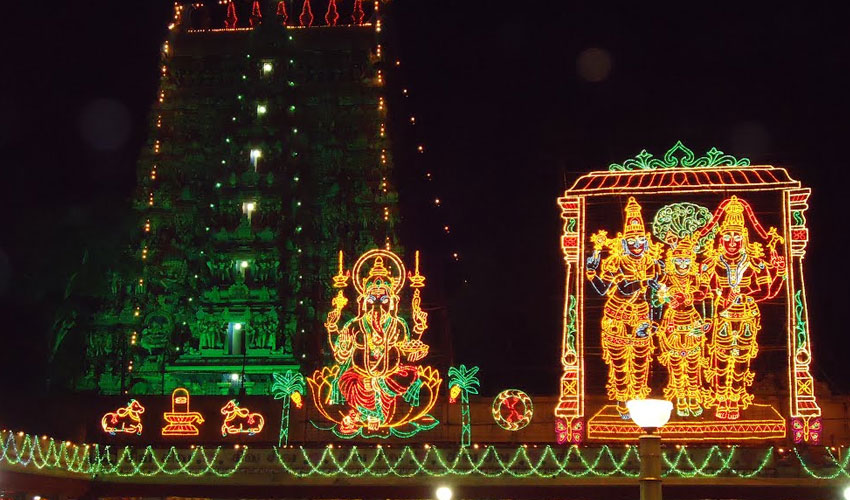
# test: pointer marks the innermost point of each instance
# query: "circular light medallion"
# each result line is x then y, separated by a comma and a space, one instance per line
512, 409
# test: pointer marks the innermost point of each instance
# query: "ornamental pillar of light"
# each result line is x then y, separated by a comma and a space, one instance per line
650, 415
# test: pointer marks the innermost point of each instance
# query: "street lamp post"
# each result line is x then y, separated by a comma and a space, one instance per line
649, 415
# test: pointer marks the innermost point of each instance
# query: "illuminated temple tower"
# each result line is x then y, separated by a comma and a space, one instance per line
266, 155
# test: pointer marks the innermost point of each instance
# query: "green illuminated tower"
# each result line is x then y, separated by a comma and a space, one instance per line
267, 154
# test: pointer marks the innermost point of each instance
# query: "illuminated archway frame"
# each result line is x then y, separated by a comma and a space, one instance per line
679, 171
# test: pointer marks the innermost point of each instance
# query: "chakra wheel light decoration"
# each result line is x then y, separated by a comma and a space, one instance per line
376, 387
512, 409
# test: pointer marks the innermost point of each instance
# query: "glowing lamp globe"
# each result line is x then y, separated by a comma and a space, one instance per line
444, 493
650, 413
847, 493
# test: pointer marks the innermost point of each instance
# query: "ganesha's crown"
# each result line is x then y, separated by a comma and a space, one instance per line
378, 268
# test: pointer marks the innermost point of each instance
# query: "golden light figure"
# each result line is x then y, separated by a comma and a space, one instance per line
681, 334
740, 277
376, 388
622, 276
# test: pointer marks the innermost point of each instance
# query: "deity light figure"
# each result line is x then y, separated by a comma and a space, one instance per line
624, 276
740, 278
681, 334
376, 378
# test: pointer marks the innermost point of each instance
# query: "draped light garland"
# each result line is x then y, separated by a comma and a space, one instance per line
354, 462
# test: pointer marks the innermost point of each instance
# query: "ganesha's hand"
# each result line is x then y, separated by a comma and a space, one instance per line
343, 343
420, 320
333, 319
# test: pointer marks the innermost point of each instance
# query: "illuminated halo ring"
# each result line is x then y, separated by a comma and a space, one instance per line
398, 283
512, 409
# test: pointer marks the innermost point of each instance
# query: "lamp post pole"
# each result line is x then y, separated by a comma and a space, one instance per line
649, 448
650, 415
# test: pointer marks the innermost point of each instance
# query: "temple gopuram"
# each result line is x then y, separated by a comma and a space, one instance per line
267, 152
267, 337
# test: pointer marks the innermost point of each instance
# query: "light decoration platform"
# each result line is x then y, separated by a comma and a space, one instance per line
758, 422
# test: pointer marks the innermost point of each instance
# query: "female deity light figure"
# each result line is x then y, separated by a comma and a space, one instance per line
624, 277
740, 278
376, 385
681, 334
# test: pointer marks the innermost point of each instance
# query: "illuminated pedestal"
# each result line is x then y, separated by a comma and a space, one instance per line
758, 422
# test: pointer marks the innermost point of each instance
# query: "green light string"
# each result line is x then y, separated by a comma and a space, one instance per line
435, 463
490, 462
465, 420
800, 323
705, 470
124, 461
841, 469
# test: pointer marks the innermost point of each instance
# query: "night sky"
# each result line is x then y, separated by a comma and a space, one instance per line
512, 102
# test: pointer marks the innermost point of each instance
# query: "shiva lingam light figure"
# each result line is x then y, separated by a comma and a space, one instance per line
681, 334
625, 276
376, 388
740, 278
181, 420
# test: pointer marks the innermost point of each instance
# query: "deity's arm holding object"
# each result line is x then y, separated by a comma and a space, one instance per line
342, 342
411, 347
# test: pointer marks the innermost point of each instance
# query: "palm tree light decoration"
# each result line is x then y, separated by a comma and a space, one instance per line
288, 386
463, 382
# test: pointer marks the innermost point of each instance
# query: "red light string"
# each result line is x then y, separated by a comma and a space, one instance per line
281, 13
358, 15
306, 17
332, 15
230, 19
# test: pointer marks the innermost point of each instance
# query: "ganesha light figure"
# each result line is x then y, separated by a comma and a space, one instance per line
377, 388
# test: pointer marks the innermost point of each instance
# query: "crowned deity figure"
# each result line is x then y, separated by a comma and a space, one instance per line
625, 276
376, 380
740, 277
681, 334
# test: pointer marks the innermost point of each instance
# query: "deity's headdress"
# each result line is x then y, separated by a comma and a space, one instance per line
735, 214
634, 220
685, 248
378, 271
733, 219
379, 275
378, 268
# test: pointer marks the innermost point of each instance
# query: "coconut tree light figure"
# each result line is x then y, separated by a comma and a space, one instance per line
288, 386
463, 382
